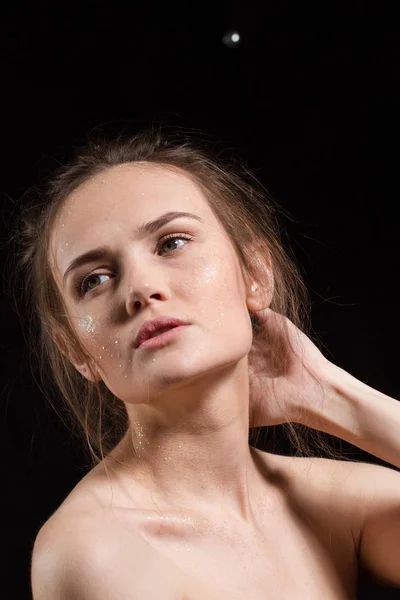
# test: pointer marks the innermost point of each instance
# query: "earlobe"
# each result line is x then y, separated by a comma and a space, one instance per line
87, 372
83, 368
258, 299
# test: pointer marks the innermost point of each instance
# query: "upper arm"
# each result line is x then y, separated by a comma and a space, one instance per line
379, 549
367, 499
101, 564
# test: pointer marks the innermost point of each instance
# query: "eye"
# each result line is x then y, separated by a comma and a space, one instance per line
171, 239
81, 284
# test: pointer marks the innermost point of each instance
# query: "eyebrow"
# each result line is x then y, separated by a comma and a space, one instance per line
140, 232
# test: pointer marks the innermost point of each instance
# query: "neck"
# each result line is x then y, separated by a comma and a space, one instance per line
191, 450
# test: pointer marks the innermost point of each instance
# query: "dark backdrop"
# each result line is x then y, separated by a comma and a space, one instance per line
309, 98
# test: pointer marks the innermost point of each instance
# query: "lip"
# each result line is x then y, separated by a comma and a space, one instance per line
159, 341
150, 327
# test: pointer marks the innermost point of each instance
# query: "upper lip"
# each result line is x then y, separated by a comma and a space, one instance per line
150, 327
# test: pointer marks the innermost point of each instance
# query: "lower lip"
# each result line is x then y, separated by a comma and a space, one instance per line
163, 339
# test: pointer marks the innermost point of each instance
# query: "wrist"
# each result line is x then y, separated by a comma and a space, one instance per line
336, 406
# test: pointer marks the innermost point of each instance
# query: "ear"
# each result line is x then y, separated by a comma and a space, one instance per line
259, 296
260, 285
83, 367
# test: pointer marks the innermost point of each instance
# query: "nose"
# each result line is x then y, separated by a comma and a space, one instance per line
145, 284
139, 296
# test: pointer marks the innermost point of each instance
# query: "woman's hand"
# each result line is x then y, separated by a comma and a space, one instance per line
280, 372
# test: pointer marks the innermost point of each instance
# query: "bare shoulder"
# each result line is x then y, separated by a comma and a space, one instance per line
336, 479
78, 555
331, 491
324, 474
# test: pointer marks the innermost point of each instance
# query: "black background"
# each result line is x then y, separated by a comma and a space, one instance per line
309, 99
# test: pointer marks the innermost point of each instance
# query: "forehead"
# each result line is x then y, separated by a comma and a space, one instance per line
134, 186
119, 198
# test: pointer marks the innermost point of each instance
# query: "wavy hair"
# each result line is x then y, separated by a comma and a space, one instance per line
246, 210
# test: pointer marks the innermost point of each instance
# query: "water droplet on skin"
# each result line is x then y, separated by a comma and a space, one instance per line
99, 356
116, 342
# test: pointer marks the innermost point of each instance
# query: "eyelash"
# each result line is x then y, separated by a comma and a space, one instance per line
82, 280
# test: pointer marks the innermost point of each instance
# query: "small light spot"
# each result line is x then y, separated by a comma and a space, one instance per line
231, 39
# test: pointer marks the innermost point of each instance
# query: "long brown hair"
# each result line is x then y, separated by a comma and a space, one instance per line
247, 212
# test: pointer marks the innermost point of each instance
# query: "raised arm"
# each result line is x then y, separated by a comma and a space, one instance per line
380, 534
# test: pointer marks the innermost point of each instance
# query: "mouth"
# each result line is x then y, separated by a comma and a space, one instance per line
162, 337
159, 332
156, 327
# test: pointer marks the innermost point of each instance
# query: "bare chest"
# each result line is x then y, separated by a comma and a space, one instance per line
296, 552
302, 547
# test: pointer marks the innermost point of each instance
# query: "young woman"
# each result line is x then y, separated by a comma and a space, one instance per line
173, 320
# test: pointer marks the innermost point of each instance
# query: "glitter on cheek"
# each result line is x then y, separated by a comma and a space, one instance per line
210, 273
87, 324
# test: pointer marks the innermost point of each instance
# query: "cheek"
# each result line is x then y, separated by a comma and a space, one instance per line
90, 333
210, 277
87, 327
214, 288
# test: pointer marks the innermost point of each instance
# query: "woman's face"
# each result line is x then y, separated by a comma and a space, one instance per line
195, 276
